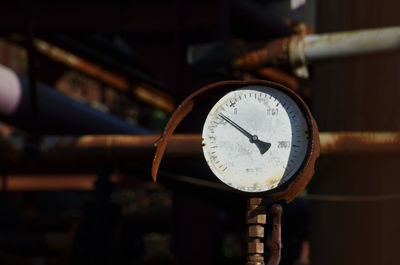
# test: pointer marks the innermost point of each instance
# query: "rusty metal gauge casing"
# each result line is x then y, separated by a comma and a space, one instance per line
258, 137
259, 131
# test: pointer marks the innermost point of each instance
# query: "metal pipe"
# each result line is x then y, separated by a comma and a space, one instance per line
304, 50
56, 114
123, 149
362, 143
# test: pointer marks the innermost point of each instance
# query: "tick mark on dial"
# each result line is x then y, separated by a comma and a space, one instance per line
262, 146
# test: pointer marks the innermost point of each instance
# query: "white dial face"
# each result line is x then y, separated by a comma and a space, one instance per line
255, 138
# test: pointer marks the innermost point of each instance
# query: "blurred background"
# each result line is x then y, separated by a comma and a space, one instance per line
72, 73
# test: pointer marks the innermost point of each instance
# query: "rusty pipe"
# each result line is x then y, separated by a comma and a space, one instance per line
127, 148
275, 244
301, 49
117, 147
343, 143
256, 219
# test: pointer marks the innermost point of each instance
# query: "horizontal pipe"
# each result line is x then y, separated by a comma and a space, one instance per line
72, 155
142, 90
120, 149
296, 50
364, 143
342, 44
50, 182
56, 113
339, 44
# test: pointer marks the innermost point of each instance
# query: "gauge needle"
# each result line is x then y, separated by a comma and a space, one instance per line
262, 146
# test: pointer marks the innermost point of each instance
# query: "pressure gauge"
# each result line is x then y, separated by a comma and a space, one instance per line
258, 137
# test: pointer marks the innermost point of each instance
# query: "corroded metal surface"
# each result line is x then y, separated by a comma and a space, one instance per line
294, 186
255, 245
116, 148
275, 245
141, 90
306, 49
271, 54
301, 48
52, 182
124, 148
307, 171
256, 219
339, 143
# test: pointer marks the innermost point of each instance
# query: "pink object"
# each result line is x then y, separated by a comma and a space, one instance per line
10, 91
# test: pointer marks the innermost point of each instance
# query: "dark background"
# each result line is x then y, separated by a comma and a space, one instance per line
116, 215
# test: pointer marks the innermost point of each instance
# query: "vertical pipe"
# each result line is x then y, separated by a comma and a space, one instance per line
256, 219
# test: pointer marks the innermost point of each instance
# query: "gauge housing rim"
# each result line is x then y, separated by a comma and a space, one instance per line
221, 177
200, 97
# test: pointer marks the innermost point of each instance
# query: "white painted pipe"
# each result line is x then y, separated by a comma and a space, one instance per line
342, 44
10, 91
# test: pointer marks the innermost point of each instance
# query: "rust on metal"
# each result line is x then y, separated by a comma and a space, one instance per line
125, 148
80, 64
271, 73
256, 231
114, 148
279, 52
256, 219
161, 144
270, 55
275, 244
306, 49
340, 143
255, 245
183, 110
297, 58
307, 170
140, 90
52, 182
287, 192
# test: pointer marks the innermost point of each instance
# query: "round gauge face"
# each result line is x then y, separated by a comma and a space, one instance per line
255, 138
